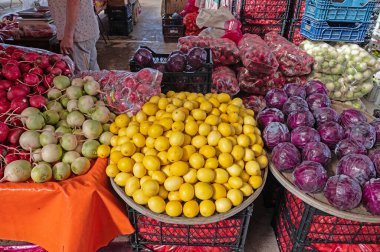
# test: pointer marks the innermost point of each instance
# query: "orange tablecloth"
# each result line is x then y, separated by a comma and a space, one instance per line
79, 214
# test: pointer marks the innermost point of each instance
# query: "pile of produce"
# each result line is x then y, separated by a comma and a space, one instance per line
59, 135
346, 69
305, 134
188, 154
191, 25
224, 81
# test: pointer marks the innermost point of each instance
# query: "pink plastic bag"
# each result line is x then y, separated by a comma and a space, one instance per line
189, 8
256, 55
256, 103
293, 61
224, 81
233, 30
126, 92
259, 84
224, 51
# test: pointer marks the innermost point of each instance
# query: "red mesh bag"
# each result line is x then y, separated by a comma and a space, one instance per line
224, 81
256, 103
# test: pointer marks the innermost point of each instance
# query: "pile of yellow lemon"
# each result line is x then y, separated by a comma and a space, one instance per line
188, 153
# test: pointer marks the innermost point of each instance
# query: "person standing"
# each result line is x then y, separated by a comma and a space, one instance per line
77, 31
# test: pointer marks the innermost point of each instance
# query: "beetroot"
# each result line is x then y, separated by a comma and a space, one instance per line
11, 72
37, 101
19, 104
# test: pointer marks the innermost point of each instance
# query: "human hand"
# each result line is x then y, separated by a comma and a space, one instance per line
67, 45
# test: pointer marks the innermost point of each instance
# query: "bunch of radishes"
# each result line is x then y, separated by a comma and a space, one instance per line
224, 81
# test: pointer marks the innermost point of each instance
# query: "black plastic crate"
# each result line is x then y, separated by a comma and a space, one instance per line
172, 29
198, 81
120, 27
228, 235
294, 34
301, 227
263, 10
119, 12
253, 27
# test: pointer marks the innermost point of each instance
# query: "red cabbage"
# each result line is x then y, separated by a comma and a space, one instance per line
294, 89
315, 87
300, 118
349, 146
275, 133
285, 156
343, 192
294, 103
275, 98
196, 57
317, 152
371, 196
357, 166
269, 115
375, 158
176, 62
316, 101
143, 57
376, 124
303, 135
363, 133
331, 133
351, 116
310, 176
326, 114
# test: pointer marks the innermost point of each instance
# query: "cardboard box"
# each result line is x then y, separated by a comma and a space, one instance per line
172, 6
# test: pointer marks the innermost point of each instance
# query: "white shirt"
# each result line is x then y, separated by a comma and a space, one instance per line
87, 25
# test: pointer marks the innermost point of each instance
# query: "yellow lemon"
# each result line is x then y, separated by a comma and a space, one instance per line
132, 130
173, 208
249, 120
213, 138
128, 149
178, 115
187, 140
150, 187
238, 152
112, 170
177, 102
188, 150
224, 98
206, 106
212, 120
145, 178
175, 154
196, 161
140, 198
198, 114
150, 152
114, 140
216, 112
177, 138
221, 176
214, 102
206, 208
219, 191
162, 103
207, 151
125, 164
225, 129
255, 181
232, 109
246, 190
151, 163
174, 196
238, 128
170, 108
203, 191
252, 138
179, 168
233, 117
144, 127
156, 204
154, 99
243, 141
159, 176
113, 128
150, 142
263, 161
206, 175
248, 155
122, 140
115, 156
191, 176
139, 170
257, 149
139, 140
189, 105
198, 141
235, 170
161, 143
224, 117
225, 145
103, 151
190, 209
235, 182
178, 126
235, 196
141, 116
211, 163
237, 101
155, 130
204, 129
162, 192
122, 120
225, 160
149, 108
186, 192
248, 129
132, 185
223, 205
191, 128
163, 156
173, 183
253, 168
245, 176
166, 123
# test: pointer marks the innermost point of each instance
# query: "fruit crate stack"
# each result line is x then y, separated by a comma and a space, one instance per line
172, 27
263, 16
120, 19
329, 20
301, 227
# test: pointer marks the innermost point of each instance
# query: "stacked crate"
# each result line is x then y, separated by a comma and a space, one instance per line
172, 28
120, 19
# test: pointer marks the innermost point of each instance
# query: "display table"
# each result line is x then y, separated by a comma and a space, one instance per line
79, 214
50, 43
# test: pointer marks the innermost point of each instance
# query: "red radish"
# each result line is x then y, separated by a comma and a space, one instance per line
17, 55
16, 91
60, 64
5, 84
36, 70
9, 50
3, 151
48, 80
42, 61
4, 130
31, 56
40, 89
31, 79
15, 121
55, 71
10, 158
14, 135
3, 94
54, 58
11, 71
67, 72
19, 104
25, 67
24, 156
37, 101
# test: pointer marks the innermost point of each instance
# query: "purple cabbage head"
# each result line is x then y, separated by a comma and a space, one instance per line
317, 152
294, 103
331, 133
285, 156
275, 133
310, 176
363, 133
196, 57
316, 101
375, 158
294, 89
177, 62
269, 115
275, 98
348, 146
326, 114
371, 196
357, 166
376, 124
143, 57
303, 135
300, 118
351, 116
343, 192
315, 87
160, 67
